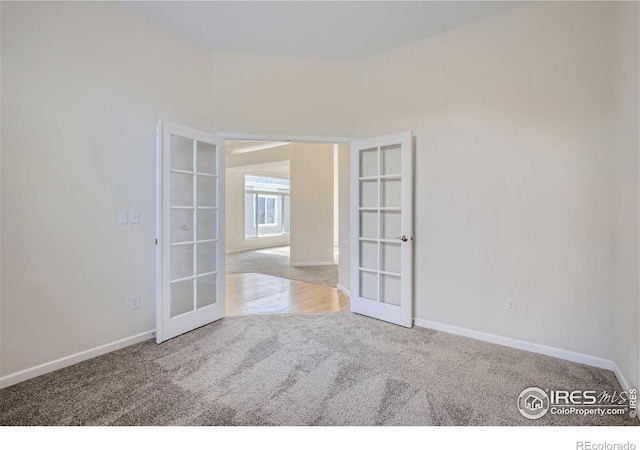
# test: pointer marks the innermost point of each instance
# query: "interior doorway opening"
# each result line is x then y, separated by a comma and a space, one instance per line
282, 227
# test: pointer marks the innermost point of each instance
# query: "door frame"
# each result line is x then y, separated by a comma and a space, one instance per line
289, 138
222, 208
286, 138
239, 136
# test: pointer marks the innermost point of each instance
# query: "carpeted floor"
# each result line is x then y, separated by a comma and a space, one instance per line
310, 369
275, 262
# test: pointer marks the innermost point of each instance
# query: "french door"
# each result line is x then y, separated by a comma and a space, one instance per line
190, 230
382, 228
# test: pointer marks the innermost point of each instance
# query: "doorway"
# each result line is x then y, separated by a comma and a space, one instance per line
191, 237
282, 222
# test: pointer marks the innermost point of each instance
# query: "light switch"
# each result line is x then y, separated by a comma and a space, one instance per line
122, 217
134, 216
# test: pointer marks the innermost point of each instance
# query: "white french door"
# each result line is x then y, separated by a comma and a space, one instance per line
190, 230
382, 228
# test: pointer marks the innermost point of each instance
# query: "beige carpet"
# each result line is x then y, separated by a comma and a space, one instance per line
311, 369
275, 262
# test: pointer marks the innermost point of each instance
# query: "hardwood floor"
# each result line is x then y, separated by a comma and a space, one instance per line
255, 293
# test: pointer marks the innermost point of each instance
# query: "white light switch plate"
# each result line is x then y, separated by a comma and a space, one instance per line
134, 216
123, 217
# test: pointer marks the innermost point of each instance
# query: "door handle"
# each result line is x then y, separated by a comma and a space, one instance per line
403, 238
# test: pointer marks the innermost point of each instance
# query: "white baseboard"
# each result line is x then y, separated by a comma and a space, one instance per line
343, 289
260, 247
521, 345
237, 250
621, 378
70, 360
305, 264
624, 382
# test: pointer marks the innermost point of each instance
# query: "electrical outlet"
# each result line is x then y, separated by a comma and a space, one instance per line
135, 302
511, 305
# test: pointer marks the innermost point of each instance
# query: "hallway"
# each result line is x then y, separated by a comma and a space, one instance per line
255, 293
275, 262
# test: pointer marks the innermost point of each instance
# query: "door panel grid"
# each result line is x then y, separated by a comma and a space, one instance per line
379, 191
195, 162
190, 294
381, 256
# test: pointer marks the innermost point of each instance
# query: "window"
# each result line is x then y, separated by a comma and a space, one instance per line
266, 206
267, 209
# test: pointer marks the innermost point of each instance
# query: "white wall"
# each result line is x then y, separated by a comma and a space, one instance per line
267, 156
520, 188
83, 85
277, 95
311, 204
513, 122
344, 200
336, 199
626, 318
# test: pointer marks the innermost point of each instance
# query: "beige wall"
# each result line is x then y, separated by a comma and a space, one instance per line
83, 85
512, 117
626, 308
526, 165
283, 96
311, 204
267, 156
336, 200
344, 194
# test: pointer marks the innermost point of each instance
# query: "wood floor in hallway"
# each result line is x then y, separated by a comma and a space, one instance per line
255, 293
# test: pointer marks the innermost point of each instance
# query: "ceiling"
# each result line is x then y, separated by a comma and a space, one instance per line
281, 168
336, 30
234, 147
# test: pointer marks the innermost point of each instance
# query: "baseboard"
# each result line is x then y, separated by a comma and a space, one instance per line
521, 345
343, 289
624, 382
626, 385
237, 250
251, 249
70, 360
306, 264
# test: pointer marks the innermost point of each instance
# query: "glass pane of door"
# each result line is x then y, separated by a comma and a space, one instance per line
181, 153
206, 286
206, 219
181, 297
206, 160
206, 226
